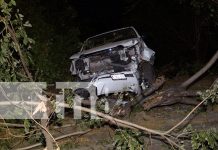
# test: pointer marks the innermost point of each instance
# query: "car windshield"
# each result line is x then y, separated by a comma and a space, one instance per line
109, 37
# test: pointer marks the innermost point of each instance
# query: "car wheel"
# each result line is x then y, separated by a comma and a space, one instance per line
147, 73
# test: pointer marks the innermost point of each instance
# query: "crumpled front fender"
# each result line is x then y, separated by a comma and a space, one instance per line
148, 55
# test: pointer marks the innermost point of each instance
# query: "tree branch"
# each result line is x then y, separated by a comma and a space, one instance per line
192, 79
57, 138
17, 46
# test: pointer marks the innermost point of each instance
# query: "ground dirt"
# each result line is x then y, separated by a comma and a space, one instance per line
161, 118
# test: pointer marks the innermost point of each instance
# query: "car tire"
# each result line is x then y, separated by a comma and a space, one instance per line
147, 72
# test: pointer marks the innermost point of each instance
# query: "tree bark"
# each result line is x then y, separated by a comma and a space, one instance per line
48, 139
13, 36
192, 79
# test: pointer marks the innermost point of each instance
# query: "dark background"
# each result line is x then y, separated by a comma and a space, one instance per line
184, 33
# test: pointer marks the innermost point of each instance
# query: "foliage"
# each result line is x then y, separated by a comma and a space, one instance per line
14, 54
13, 41
210, 94
56, 35
5, 145
87, 122
205, 140
208, 139
127, 139
69, 96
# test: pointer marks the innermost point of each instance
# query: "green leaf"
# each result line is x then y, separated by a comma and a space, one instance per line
204, 140
27, 24
127, 139
1, 1
20, 15
13, 2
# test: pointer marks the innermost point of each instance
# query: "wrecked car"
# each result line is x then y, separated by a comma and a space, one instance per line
115, 61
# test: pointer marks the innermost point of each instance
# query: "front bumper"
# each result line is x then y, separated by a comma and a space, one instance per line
116, 82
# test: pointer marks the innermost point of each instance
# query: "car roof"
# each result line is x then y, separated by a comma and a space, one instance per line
113, 31
109, 32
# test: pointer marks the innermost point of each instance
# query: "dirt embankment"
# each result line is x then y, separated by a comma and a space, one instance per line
160, 118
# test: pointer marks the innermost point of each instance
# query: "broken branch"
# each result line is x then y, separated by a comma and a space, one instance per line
186, 117
192, 79
57, 138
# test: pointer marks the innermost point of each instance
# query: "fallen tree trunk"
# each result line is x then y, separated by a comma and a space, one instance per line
178, 94
154, 87
169, 97
192, 79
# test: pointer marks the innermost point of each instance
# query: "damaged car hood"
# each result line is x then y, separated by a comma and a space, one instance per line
124, 43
